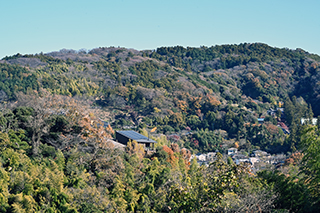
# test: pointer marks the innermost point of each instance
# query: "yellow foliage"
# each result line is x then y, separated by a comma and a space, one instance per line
196, 101
230, 198
134, 148
144, 132
236, 145
182, 105
109, 129
24, 203
161, 140
280, 104
156, 110
4, 139
17, 208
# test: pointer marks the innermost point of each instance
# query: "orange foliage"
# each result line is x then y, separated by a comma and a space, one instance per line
109, 129
271, 82
195, 101
181, 104
212, 101
314, 65
186, 155
26, 74
171, 158
93, 131
167, 150
272, 128
294, 158
250, 124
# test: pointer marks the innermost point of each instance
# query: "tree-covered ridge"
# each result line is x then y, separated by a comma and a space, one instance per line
219, 88
265, 70
233, 55
57, 155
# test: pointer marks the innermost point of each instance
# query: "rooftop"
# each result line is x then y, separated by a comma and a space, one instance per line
136, 136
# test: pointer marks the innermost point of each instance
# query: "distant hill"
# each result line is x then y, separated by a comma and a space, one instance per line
223, 88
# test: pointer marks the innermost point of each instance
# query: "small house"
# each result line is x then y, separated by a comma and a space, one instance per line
211, 156
254, 160
260, 120
232, 151
238, 158
125, 136
260, 153
284, 128
201, 157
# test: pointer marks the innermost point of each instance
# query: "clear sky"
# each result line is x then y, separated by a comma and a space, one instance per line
35, 26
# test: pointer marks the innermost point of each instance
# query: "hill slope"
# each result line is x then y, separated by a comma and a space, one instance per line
220, 89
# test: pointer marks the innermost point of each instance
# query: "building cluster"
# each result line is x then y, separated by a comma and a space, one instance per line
204, 158
257, 160
280, 119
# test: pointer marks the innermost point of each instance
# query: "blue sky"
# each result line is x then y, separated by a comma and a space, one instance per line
35, 26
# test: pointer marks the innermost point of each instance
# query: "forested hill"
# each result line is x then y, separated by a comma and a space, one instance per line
57, 155
176, 88
255, 70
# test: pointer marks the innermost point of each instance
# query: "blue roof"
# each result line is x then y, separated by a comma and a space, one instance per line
136, 136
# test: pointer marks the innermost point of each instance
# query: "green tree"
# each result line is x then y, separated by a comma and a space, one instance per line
310, 144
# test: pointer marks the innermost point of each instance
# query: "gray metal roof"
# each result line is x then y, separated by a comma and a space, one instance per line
136, 136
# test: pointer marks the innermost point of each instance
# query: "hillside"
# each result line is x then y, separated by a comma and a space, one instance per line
175, 88
59, 111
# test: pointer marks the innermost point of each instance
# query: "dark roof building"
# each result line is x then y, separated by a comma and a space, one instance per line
124, 136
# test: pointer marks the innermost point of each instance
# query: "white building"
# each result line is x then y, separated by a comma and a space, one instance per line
306, 120
232, 151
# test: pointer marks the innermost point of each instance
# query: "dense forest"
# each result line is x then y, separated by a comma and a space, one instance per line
57, 153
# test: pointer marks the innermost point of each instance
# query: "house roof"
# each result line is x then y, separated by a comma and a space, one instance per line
136, 136
240, 156
231, 149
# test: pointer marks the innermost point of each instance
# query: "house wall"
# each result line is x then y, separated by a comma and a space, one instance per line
121, 139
